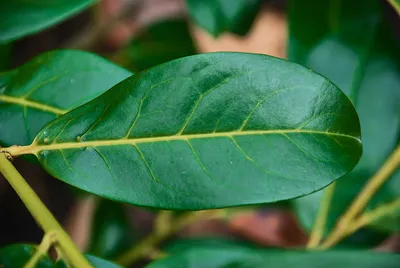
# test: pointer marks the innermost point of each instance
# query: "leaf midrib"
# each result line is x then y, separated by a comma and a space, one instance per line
32, 104
34, 148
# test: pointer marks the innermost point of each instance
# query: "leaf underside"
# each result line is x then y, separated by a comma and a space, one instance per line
206, 131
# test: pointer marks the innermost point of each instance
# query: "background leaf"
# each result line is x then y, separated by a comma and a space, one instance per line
206, 131
111, 232
158, 43
17, 255
218, 16
350, 43
96, 261
240, 256
49, 86
23, 17
5, 56
14, 256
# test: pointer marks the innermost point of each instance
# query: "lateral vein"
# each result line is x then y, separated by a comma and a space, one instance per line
31, 104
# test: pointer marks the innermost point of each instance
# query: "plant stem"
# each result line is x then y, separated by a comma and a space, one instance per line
372, 186
365, 219
373, 215
320, 222
155, 238
40, 213
163, 221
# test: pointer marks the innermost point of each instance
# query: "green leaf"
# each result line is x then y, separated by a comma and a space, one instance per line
5, 56
96, 261
218, 16
100, 263
206, 131
350, 43
24, 17
49, 86
240, 256
158, 43
15, 256
178, 246
111, 232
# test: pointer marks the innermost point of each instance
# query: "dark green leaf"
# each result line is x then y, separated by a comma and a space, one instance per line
206, 131
96, 261
23, 17
100, 263
111, 232
180, 245
5, 56
16, 256
47, 87
158, 43
350, 43
218, 16
240, 256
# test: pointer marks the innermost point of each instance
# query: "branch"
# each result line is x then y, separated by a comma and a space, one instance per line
155, 238
320, 222
372, 186
40, 213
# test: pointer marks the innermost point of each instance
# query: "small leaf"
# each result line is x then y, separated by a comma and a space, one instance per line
359, 52
49, 86
21, 17
111, 232
218, 16
158, 43
241, 256
206, 131
17, 255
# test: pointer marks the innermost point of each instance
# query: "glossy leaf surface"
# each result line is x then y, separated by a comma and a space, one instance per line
206, 131
351, 43
240, 256
21, 17
158, 43
218, 16
49, 86
111, 232
15, 256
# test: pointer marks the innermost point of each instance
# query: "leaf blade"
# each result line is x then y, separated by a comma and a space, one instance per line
162, 159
